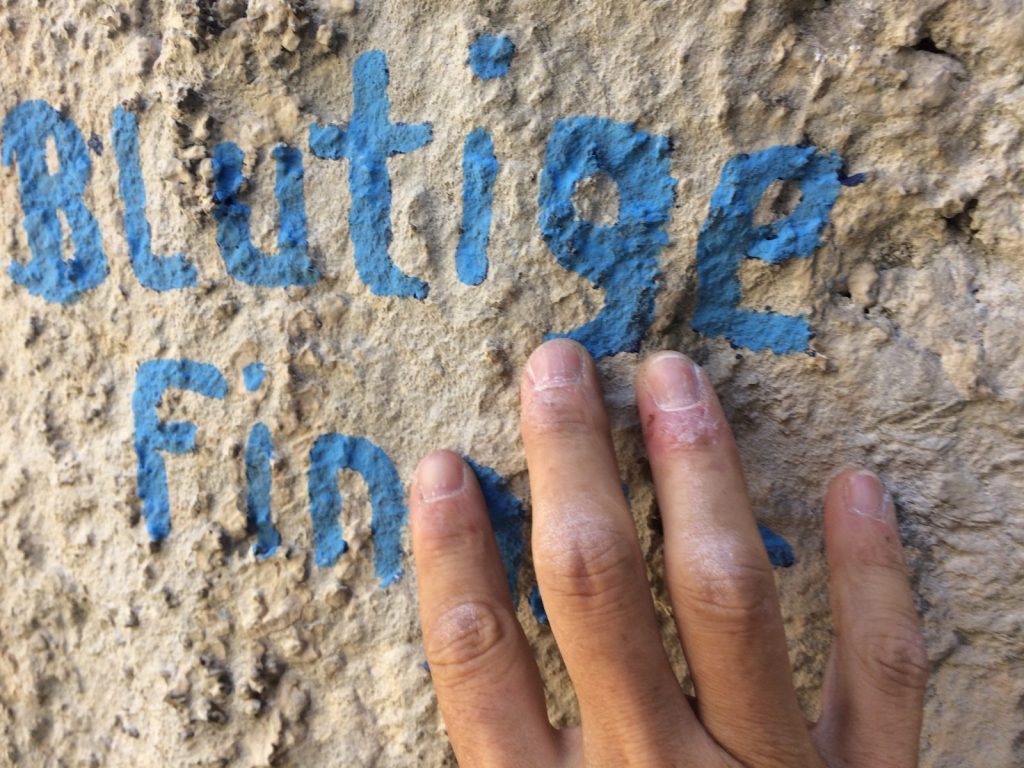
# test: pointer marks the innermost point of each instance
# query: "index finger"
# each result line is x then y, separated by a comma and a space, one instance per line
488, 685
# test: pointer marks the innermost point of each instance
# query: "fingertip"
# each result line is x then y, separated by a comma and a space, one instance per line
677, 404
441, 506
440, 475
858, 497
471, 638
556, 363
664, 354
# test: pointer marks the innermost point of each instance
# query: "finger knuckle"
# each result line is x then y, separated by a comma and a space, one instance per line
585, 562
894, 657
739, 594
467, 639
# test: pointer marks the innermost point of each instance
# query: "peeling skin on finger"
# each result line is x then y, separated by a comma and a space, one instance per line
687, 425
881, 515
691, 426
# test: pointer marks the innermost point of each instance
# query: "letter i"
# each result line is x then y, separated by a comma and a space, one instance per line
258, 454
489, 58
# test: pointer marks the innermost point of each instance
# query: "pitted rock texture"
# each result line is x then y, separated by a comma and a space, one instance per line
115, 651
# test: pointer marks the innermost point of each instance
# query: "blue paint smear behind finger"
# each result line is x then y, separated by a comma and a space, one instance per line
159, 273
490, 56
367, 142
537, 606
729, 236
621, 259
26, 129
244, 261
479, 171
153, 379
780, 554
332, 453
506, 515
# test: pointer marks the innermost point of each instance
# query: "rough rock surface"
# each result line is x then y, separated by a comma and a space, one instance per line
116, 651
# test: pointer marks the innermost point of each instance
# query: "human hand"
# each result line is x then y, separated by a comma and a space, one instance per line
592, 575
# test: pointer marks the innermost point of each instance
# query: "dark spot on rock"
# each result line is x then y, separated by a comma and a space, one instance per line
961, 222
928, 45
190, 100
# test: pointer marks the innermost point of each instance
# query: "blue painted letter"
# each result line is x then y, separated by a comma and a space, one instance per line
330, 454
258, 453
245, 262
367, 142
161, 273
621, 259
152, 435
729, 236
479, 170
26, 130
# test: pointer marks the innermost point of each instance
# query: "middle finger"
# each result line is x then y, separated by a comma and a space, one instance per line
588, 560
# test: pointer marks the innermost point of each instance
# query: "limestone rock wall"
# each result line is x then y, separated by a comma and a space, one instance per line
148, 632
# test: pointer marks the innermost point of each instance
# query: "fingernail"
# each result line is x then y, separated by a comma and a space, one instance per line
439, 476
555, 364
674, 381
867, 497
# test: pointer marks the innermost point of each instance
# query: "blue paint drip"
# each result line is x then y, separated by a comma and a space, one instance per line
259, 451
367, 142
152, 435
160, 273
490, 56
244, 261
253, 375
729, 236
621, 259
479, 170
332, 453
854, 180
26, 129
506, 514
780, 554
537, 606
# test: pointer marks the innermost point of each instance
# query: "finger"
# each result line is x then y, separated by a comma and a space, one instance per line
488, 686
720, 581
588, 559
874, 688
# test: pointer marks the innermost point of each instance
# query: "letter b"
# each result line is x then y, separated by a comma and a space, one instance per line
48, 274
